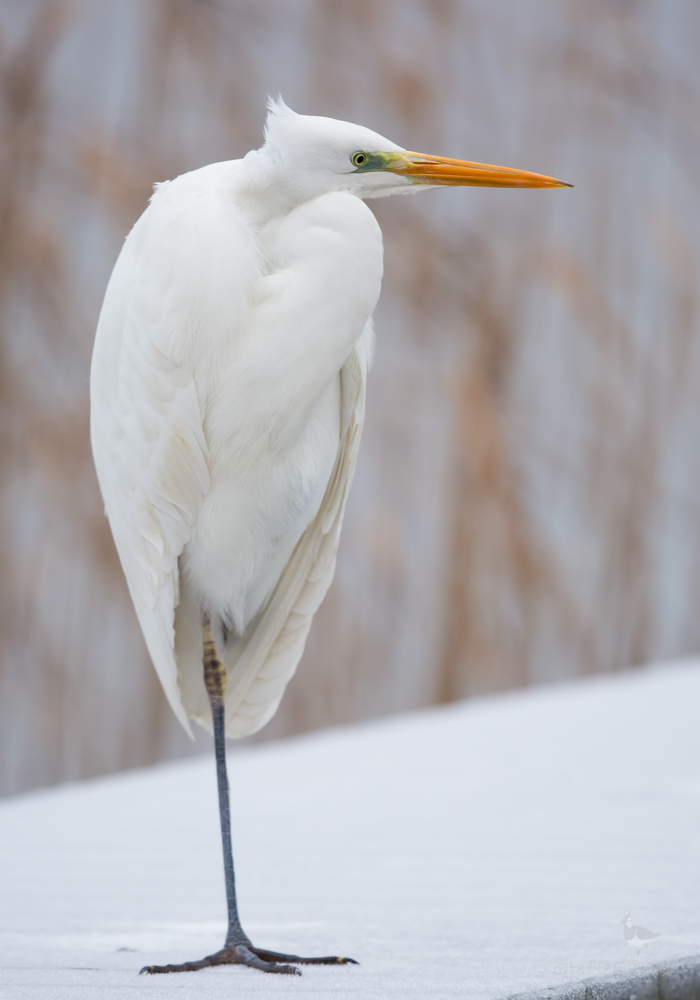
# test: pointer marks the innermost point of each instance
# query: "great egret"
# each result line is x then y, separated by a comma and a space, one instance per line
227, 403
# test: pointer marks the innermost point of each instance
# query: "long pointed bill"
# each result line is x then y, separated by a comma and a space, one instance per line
420, 168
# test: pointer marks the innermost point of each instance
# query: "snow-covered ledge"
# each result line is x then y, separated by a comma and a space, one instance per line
481, 851
679, 980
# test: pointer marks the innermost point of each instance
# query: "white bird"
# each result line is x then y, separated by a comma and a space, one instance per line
227, 404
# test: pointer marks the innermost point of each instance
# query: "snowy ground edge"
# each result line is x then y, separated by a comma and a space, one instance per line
679, 980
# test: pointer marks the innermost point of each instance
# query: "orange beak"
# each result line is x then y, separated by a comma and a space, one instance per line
441, 170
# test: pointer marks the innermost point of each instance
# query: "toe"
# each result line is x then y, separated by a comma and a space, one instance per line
248, 956
275, 956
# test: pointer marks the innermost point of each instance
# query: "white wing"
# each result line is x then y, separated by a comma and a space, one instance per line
262, 662
150, 454
146, 417
148, 395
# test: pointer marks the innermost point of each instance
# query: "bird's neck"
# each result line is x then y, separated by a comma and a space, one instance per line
262, 188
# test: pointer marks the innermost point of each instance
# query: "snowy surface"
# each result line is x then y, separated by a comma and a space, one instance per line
473, 851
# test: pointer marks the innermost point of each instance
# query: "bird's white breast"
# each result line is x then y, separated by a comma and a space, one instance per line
272, 399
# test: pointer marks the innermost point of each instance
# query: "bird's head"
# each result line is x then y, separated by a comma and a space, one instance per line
316, 155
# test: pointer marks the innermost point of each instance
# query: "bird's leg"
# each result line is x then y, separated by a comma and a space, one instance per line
237, 949
215, 684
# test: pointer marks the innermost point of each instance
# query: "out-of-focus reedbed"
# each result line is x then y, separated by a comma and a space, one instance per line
526, 503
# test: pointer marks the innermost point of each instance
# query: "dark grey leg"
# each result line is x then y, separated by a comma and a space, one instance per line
237, 949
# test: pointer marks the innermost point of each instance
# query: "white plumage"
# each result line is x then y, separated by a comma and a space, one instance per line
227, 403
228, 390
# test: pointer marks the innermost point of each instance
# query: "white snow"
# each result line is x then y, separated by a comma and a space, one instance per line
471, 851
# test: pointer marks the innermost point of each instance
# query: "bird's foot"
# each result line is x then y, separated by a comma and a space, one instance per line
254, 958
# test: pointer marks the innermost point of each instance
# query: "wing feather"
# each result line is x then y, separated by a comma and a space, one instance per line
150, 454
262, 662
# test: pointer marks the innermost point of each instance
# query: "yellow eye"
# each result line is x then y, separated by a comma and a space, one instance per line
359, 159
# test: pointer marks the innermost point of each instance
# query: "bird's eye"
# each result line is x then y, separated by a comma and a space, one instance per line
359, 159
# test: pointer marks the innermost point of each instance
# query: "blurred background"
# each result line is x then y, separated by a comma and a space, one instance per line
526, 507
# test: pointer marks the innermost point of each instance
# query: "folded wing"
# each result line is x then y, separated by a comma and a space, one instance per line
261, 663
150, 453
153, 465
